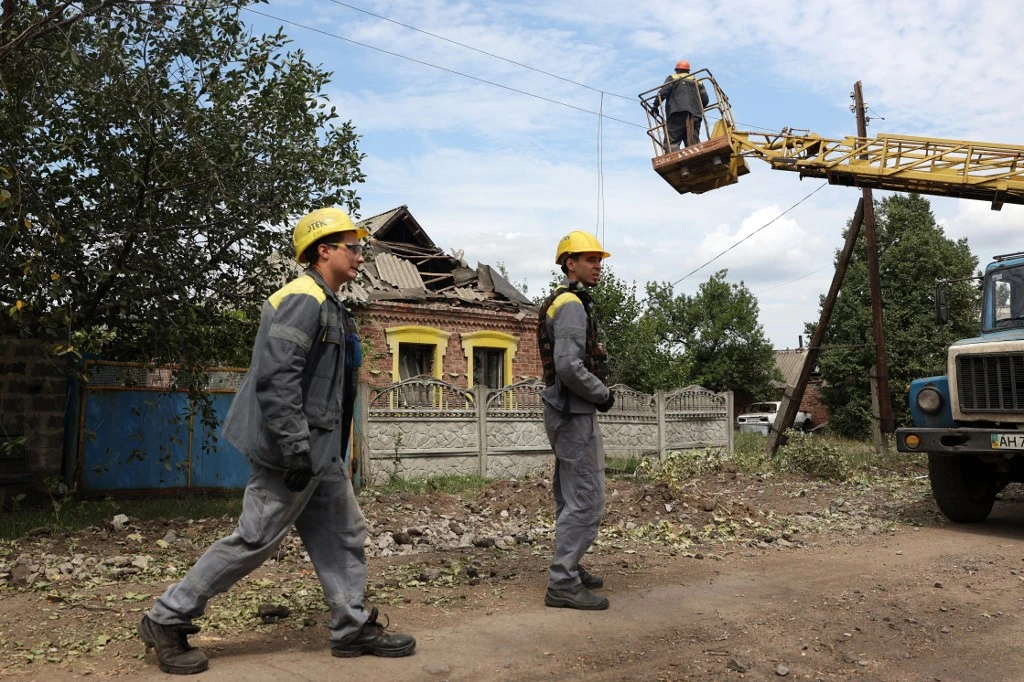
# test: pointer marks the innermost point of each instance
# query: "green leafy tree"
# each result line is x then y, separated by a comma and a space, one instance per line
913, 253
664, 341
717, 334
156, 155
637, 357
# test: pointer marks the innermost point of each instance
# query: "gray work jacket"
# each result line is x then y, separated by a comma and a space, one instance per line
567, 328
290, 400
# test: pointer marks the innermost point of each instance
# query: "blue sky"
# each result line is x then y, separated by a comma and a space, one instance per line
502, 176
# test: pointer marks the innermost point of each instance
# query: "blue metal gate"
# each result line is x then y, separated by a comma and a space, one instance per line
138, 432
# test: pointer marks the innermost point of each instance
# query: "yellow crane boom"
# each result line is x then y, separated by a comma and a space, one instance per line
902, 163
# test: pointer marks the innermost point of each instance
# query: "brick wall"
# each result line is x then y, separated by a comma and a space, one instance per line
813, 403
33, 387
375, 318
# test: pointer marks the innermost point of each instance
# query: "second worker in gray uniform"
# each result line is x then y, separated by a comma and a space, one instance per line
575, 371
291, 418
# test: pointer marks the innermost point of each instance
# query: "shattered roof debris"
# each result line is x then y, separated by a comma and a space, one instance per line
404, 264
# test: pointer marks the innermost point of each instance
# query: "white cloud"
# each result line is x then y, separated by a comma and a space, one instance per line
503, 175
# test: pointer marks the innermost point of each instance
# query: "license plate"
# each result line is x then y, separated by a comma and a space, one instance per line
1008, 441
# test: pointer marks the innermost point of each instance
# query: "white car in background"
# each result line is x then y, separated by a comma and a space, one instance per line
760, 416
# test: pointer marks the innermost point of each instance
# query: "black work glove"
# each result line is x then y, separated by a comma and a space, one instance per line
299, 472
607, 404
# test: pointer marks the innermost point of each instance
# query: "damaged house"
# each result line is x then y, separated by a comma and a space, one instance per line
424, 312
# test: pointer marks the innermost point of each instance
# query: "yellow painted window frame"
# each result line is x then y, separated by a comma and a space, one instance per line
426, 336
490, 339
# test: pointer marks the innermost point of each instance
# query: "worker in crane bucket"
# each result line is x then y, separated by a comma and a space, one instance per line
575, 366
685, 98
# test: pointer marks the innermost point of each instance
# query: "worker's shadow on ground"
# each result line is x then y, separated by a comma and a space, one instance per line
312, 639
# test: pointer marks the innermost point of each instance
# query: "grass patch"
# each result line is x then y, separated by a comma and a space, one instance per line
75, 514
748, 452
455, 485
621, 466
822, 456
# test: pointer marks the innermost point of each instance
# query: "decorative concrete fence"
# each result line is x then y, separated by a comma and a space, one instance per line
425, 427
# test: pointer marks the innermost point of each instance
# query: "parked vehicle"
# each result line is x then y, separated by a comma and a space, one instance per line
760, 416
971, 421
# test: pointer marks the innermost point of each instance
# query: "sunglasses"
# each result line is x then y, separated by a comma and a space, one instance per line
356, 249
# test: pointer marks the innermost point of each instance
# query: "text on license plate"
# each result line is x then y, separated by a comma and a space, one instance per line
1008, 441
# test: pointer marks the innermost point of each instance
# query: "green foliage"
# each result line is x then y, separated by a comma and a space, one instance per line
158, 154
666, 341
913, 253
455, 485
717, 332
62, 500
814, 456
748, 452
622, 466
681, 465
636, 355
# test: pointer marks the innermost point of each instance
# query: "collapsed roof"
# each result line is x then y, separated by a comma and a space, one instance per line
404, 264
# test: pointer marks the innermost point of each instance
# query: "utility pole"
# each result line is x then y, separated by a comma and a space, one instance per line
794, 395
881, 356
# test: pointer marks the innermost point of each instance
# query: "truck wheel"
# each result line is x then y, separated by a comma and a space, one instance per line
963, 486
807, 425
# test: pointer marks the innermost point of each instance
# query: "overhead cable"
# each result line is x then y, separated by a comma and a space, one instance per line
814, 272
701, 267
504, 59
440, 68
476, 49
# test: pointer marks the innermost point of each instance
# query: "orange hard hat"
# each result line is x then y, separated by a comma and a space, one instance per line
683, 64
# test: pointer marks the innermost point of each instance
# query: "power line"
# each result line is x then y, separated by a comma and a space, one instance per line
701, 267
504, 59
440, 68
484, 52
765, 291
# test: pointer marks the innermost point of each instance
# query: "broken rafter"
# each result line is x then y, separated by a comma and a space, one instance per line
399, 247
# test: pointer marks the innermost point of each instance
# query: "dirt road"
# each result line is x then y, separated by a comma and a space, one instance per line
932, 604
912, 599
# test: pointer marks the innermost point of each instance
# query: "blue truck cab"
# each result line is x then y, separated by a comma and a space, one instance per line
970, 422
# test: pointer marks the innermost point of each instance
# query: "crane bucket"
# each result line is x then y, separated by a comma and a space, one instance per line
902, 163
703, 166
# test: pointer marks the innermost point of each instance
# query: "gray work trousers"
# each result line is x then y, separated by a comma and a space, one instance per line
579, 490
333, 530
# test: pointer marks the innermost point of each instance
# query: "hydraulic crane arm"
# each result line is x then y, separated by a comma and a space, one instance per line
902, 163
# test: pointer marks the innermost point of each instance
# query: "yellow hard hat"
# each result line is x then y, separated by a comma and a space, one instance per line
578, 241
320, 223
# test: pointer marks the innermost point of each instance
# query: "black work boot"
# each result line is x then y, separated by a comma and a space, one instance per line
575, 597
371, 639
173, 652
589, 580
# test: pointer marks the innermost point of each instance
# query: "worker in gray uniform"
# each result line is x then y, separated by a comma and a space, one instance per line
575, 367
291, 417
